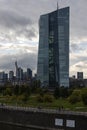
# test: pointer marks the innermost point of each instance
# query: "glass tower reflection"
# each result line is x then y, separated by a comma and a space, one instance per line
53, 52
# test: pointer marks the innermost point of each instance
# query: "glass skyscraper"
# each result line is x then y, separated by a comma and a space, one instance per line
53, 52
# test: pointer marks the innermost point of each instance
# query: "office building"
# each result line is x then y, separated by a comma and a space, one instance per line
16, 70
19, 72
11, 75
79, 75
29, 73
3, 77
53, 52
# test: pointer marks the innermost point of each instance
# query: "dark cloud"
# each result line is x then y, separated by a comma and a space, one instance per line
13, 19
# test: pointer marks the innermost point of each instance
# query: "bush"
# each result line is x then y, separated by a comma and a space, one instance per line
45, 98
56, 93
22, 98
24, 89
8, 91
39, 98
84, 96
16, 90
63, 92
48, 98
75, 97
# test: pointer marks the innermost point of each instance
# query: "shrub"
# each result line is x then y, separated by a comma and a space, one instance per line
48, 98
39, 98
16, 90
8, 91
75, 97
22, 98
63, 92
56, 93
84, 95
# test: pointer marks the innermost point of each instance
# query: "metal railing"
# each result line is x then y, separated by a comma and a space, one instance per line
43, 110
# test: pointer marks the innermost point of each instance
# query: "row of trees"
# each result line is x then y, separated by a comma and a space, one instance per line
73, 95
43, 95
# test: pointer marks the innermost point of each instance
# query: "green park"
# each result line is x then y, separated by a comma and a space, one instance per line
74, 99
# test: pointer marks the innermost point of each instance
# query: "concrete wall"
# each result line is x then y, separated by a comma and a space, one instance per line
40, 119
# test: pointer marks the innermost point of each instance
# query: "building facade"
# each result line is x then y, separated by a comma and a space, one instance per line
3, 78
19, 72
80, 75
11, 75
53, 52
29, 73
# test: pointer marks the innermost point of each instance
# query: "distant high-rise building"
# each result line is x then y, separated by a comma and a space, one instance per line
24, 75
79, 75
11, 75
19, 72
16, 70
29, 73
3, 76
53, 54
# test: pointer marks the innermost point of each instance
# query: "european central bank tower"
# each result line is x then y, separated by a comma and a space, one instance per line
53, 52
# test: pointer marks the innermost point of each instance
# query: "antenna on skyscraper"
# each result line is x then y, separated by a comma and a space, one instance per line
57, 5
16, 64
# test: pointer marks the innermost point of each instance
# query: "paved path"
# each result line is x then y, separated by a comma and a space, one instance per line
62, 111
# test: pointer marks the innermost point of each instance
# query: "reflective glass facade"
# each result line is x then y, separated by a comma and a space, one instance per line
53, 52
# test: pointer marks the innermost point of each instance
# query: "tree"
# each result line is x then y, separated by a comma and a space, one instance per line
8, 91
36, 83
63, 91
84, 95
75, 97
56, 93
24, 89
16, 90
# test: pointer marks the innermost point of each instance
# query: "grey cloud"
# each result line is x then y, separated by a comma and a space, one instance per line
24, 48
79, 66
28, 33
78, 18
17, 24
1, 46
82, 58
74, 48
13, 20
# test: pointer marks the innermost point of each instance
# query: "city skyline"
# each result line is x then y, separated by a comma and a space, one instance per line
19, 32
16, 67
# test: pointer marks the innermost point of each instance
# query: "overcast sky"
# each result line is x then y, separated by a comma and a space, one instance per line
19, 32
